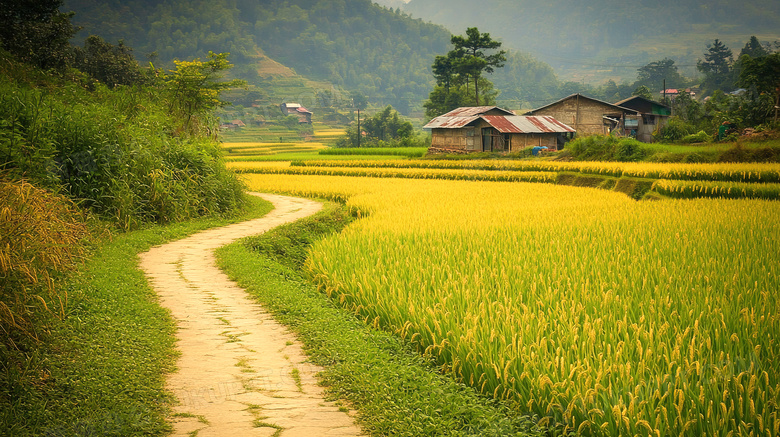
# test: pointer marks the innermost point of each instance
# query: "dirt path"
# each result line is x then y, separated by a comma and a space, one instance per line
240, 373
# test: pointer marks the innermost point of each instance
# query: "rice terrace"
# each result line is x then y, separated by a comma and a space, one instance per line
254, 223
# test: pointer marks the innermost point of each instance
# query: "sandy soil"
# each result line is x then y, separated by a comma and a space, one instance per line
240, 373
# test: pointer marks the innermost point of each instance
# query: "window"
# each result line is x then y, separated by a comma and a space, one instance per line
648, 119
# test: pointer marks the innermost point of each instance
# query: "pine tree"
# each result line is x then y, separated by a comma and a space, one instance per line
716, 67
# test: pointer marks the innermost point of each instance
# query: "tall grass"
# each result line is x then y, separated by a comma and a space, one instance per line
116, 152
40, 236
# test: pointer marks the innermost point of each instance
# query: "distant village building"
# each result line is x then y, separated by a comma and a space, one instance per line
493, 129
235, 124
650, 117
304, 115
588, 116
672, 93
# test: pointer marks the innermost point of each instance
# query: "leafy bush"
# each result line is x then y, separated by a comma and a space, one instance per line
607, 148
40, 235
115, 151
674, 130
699, 137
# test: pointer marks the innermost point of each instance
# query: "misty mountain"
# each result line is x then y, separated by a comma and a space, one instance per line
599, 34
350, 43
354, 44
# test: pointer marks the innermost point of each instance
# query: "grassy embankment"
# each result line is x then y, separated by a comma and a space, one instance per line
101, 369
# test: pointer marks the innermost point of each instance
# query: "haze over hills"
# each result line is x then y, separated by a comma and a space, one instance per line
348, 44
598, 39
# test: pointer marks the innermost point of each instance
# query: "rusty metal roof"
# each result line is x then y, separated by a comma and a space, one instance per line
506, 123
518, 124
468, 111
447, 122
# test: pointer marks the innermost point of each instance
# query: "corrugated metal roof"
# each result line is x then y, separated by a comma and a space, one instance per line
519, 124
506, 124
447, 122
468, 111
533, 111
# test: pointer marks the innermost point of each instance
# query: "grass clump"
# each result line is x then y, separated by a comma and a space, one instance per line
41, 236
395, 390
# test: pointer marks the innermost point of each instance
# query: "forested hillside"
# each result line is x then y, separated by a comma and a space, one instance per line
350, 43
604, 34
353, 44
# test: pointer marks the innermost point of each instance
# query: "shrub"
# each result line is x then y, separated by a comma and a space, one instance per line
607, 148
675, 130
699, 137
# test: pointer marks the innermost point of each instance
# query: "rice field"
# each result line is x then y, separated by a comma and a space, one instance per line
599, 314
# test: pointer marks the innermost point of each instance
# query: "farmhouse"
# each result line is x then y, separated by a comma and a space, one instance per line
304, 115
493, 129
587, 115
651, 116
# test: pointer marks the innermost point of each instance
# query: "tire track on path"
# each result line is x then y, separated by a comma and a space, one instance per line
240, 373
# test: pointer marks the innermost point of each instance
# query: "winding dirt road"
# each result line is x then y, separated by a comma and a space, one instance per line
240, 373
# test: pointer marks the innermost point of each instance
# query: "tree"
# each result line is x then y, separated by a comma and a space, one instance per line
753, 48
195, 88
655, 74
471, 59
716, 67
111, 64
643, 91
36, 32
385, 126
763, 74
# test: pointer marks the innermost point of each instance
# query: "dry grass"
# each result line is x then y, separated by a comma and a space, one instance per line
40, 234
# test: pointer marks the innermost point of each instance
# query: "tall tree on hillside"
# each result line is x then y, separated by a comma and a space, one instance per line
472, 58
716, 67
753, 48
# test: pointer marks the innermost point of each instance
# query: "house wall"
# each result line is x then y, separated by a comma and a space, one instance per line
461, 139
590, 120
457, 139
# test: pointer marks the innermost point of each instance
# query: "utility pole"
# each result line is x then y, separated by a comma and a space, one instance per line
360, 134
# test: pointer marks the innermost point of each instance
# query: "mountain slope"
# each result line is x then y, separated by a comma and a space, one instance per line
350, 43
598, 34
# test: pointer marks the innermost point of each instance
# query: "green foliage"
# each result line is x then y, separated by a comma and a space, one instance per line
699, 137
110, 64
675, 129
461, 69
36, 32
716, 67
195, 87
289, 244
655, 74
607, 148
384, 129
112, 151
